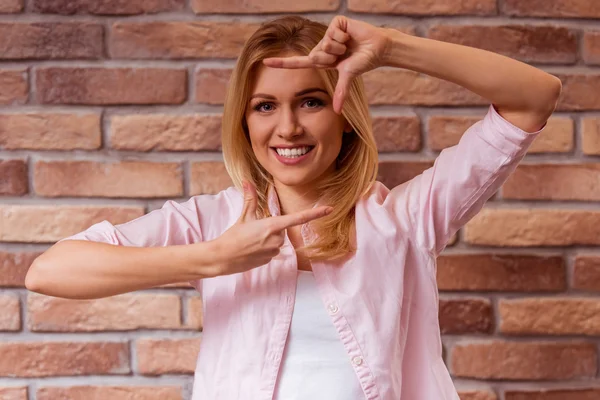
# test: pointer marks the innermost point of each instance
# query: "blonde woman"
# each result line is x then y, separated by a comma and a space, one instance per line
318, 282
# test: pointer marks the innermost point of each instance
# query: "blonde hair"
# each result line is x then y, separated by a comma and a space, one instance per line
356, 164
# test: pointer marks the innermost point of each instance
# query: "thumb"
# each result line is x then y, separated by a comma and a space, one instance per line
250, 201
341, 90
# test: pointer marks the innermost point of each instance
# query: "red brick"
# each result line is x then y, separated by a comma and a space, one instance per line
399, 133
533, 227
14, 178
477, 395
579, 92
14, 88
557, 316
209, 178
552, 8
11, 6
14, 266
389, 86
195, 315
50, 131
163, 132
10, 317
14, 393
110, 392
211, 85
407, 7
567, 394
44, 359
446, 131
164, 40
524, 360
591, 47
591, 136
393, 173
501, 272
106, 7
106, 86
578, 182
93, 179
51, 40
262, 6
157, 357
116, 313
46, 224
459, 316
586, 273
545, 44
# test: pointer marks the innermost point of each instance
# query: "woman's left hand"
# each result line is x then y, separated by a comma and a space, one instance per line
350, 46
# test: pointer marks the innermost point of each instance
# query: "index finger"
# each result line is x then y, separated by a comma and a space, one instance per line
288, 62
302, 217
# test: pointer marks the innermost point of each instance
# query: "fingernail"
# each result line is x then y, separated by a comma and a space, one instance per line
328, 210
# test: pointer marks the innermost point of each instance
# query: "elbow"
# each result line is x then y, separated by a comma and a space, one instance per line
551, 97
34, 280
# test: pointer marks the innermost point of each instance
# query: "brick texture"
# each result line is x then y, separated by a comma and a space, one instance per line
11, 6
13, 393
13, 86
525, 361
116, 313
92, 179
110, 108
43, 359
175, 356
106, 7
22, 41
110, 392
50, 131
97, 86
15, 180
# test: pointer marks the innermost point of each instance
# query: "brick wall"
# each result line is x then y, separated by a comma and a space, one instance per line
109, 108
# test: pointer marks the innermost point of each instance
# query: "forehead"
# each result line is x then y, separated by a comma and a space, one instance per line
282, 82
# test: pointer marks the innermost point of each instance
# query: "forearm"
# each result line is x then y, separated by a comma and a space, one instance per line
87, 270
524, 95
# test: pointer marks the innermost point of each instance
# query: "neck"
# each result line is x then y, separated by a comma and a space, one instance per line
293, 199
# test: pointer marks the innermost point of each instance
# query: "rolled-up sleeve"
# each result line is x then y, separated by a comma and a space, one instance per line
446, 196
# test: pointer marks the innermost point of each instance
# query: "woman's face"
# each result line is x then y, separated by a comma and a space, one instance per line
295, 134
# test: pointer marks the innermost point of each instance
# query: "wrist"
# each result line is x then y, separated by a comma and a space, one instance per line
397, 48
203, 259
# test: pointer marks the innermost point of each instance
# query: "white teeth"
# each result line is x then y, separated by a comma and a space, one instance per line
293, 153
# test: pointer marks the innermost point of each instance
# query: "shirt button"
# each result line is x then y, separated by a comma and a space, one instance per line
357, 360
333, 308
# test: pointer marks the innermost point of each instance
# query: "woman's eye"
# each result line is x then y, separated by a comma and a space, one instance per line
264, 107
313, 103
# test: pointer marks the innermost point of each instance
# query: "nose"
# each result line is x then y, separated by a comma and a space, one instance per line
288, 126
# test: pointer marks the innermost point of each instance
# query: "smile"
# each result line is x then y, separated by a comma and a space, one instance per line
293, 152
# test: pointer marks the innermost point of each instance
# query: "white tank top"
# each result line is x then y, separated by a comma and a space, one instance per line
315, 364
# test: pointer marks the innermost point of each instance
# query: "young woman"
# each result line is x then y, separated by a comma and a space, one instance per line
318, 282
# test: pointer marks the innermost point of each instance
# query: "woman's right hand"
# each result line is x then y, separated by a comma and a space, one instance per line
253, 242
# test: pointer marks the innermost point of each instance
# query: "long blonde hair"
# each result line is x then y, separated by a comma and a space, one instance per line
356, 164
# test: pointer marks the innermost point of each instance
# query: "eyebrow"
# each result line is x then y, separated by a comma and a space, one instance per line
300, 93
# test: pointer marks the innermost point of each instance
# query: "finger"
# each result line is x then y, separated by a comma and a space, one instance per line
250, 201
333, 47
322, 58
341, 90
288, 62
287, 221
337, 29
338, 35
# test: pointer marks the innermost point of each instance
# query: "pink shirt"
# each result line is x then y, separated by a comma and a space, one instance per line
383, 301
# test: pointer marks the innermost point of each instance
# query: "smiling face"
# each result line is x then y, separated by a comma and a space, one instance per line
295, 134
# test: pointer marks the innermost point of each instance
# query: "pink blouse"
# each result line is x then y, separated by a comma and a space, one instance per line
383, 301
